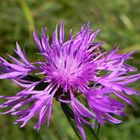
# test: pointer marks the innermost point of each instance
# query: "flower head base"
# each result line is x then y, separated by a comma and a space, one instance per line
70, 68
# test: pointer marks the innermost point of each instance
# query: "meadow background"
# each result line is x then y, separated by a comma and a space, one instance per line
120, 24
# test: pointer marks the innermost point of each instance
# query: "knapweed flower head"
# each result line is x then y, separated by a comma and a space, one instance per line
78, 67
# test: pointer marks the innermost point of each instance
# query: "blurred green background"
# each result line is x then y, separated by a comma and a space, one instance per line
120, 24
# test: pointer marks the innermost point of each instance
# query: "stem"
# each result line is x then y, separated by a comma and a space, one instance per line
90, 133
96, 136
69, 114
98, 129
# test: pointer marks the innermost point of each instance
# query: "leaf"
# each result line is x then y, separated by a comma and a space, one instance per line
28, 14
127, 22
135, 47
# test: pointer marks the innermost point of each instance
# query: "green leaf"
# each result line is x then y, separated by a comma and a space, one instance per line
28, 14
135, 47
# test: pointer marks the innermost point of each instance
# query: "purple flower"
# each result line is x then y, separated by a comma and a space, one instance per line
72, 68
101, 102
18, 68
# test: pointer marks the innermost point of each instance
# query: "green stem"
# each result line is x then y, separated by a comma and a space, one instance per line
98, 129
96, 136
90, 133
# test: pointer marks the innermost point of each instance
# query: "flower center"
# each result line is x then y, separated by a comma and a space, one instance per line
67, 69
